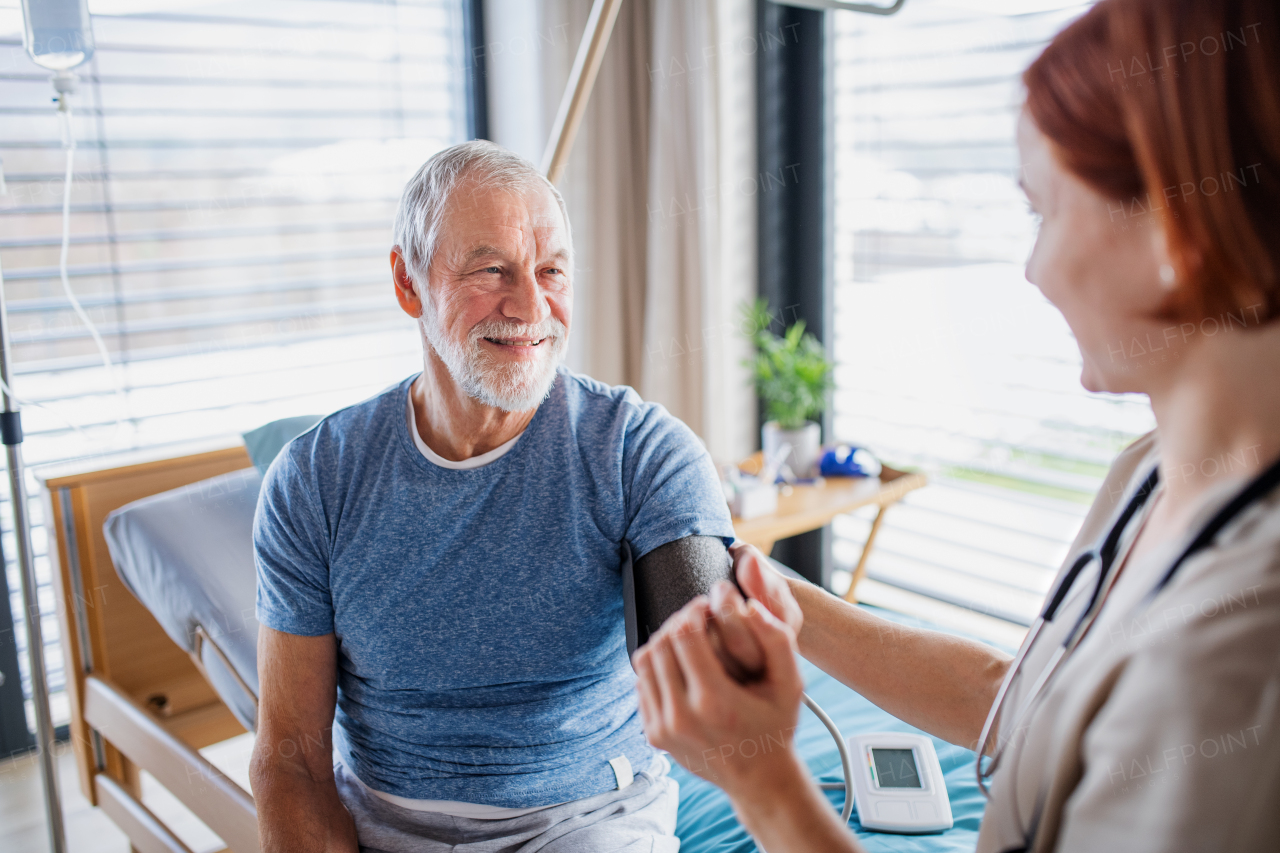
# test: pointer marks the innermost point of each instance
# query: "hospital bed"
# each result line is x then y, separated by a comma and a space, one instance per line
155, 582
146, 688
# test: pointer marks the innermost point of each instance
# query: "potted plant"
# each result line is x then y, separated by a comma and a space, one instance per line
792, 375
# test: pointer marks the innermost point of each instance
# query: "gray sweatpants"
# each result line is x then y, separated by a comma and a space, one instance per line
640, 818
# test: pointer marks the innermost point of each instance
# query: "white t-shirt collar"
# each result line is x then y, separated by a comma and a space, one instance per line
436, 459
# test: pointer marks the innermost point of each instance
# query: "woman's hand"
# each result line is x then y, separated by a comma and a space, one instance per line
763, 583
733, 735
734, 644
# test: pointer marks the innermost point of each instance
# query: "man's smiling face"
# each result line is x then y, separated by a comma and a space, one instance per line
500, 296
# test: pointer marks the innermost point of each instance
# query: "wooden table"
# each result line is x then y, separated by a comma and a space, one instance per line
802, 508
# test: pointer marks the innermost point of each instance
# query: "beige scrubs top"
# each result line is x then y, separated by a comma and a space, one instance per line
1160, 731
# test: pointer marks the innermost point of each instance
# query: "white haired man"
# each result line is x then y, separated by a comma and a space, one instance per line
440, 564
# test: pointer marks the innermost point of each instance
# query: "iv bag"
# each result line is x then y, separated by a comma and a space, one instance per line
57, 33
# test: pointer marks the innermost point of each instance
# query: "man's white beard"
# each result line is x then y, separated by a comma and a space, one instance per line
516, 386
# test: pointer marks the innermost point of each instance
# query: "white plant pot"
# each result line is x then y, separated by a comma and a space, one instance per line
806, 445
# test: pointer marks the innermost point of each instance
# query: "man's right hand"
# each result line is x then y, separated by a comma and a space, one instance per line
292, 768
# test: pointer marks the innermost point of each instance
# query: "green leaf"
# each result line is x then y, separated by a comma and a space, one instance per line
792, 374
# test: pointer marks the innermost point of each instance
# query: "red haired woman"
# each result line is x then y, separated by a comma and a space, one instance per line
1142, 712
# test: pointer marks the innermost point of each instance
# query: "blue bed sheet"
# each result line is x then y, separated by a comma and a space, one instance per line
706, 820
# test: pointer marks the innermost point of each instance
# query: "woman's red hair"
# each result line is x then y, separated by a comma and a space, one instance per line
1171, 108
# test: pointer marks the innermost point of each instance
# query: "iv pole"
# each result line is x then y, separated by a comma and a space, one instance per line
58, 36
11, 435
582, 78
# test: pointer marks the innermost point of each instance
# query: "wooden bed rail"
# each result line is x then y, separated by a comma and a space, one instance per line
147, 833
224, 806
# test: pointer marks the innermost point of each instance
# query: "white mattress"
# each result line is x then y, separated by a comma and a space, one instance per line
187, 555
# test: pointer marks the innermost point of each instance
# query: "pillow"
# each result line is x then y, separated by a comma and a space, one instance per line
266, 442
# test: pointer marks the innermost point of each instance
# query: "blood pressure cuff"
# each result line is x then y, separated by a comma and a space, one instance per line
666, 579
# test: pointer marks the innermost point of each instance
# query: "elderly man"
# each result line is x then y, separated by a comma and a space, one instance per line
441, 563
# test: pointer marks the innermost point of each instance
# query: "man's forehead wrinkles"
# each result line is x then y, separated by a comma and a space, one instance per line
487, 225
485, 250
481, 251
516, 228
488, 197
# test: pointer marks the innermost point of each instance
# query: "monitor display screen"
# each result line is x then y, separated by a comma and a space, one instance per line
895, 768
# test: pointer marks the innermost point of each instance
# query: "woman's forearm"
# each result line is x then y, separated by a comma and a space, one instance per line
941, 684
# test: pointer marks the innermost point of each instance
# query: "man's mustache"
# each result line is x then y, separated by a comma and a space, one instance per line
550, 329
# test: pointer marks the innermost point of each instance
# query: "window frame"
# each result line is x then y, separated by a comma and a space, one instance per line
795, 228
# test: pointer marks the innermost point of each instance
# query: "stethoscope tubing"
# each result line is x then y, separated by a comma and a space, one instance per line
1106, 552
1255, 491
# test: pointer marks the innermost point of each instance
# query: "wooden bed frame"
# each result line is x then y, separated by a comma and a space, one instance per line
138, 700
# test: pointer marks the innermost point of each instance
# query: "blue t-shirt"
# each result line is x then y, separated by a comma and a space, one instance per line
481, 647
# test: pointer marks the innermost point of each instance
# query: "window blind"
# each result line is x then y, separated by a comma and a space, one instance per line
948, 359
237, 167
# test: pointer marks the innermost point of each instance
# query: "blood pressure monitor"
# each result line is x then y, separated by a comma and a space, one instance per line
898, 784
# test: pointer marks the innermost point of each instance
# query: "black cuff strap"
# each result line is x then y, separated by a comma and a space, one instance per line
11, 427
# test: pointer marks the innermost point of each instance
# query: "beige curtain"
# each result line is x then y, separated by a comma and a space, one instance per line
605, 189
661, 191
701, 214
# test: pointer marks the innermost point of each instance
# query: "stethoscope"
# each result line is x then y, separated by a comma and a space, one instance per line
1105, 554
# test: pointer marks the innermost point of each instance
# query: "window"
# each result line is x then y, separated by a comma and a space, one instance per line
948, 358
237, 168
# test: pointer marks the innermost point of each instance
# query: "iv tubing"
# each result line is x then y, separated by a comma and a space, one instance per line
70, 145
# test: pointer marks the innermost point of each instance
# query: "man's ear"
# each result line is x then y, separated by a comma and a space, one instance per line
406, 292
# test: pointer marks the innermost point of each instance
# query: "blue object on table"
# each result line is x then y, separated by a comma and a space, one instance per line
845, 460
706, 821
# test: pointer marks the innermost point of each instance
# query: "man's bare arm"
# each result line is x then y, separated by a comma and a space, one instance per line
292, 768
